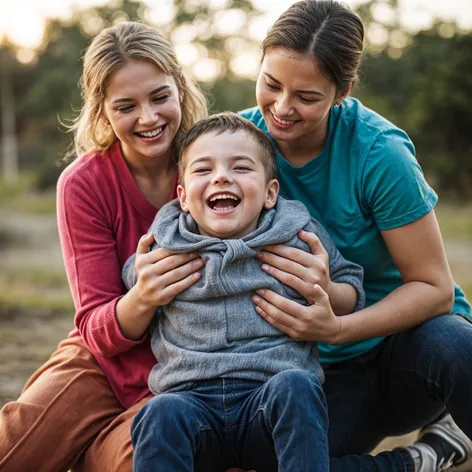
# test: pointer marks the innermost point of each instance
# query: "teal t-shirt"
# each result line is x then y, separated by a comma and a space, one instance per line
366, 179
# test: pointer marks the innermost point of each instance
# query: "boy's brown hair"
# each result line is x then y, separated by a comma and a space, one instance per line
232, 122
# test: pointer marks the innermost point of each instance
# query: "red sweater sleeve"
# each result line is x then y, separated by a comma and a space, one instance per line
91, 260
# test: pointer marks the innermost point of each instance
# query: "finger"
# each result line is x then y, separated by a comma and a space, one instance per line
171, 270
281, 252
313, 241
319, 296
281, 264
292, 280
291, 308
281, 321
171, 291
169, 260
280, 302
145, 242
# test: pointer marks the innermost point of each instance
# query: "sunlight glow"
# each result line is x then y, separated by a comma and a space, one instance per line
26, 30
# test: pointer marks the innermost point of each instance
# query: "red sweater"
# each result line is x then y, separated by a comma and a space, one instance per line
101, 216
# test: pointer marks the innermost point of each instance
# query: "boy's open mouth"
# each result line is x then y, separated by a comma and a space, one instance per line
223, 202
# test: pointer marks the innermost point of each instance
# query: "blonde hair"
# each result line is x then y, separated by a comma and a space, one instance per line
109, 51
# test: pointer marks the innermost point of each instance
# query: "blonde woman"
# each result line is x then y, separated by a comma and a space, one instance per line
136, 103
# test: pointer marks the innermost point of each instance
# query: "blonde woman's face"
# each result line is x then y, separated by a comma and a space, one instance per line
143, 107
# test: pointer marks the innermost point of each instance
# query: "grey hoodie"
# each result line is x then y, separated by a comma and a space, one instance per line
211, 330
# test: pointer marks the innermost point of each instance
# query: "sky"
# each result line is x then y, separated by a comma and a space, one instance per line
26, 29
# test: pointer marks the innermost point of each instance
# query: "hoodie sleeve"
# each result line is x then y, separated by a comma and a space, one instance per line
340, 269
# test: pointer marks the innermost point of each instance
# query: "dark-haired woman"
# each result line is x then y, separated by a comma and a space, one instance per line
403, 362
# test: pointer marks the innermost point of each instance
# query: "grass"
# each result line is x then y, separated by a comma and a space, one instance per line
45, 292
21, 196
36, 277
455, 221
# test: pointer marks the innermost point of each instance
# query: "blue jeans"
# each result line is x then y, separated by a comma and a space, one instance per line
409, 380
213, 425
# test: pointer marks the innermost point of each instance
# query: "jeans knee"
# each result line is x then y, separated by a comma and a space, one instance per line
160, 410
447, 339
299, 383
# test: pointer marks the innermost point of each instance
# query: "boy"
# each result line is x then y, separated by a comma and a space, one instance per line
232, 388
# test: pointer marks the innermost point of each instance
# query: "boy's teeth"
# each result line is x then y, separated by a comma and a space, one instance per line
152, 134
222, 196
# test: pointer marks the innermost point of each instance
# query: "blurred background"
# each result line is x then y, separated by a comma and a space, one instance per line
417, 72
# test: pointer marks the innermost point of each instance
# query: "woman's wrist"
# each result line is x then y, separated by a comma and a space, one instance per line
134, 314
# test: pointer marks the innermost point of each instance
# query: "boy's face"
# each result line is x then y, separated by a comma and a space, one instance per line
225, 184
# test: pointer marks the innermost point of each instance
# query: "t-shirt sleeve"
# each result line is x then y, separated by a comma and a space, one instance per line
340, 269
93, 269
394, 187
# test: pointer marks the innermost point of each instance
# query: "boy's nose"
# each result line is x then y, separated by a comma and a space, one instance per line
222, 177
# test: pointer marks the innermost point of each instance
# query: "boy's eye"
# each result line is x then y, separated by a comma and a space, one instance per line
202, 170
242, 168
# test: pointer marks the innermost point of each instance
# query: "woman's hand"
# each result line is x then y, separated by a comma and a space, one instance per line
297, 268
302, 323
161, 275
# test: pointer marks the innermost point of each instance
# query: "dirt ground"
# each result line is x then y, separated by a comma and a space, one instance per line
29, 243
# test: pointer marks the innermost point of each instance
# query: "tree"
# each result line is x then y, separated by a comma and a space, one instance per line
427, 93
8, 136
50, 94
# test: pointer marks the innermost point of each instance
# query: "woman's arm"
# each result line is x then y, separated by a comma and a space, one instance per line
159, 276
302, 271
428, 290
417, 250
109, 321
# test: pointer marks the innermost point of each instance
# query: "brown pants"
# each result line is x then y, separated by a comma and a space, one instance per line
65, 405
67, 416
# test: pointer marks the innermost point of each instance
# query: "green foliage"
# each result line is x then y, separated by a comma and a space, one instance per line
48, 96
230, 94
427, 93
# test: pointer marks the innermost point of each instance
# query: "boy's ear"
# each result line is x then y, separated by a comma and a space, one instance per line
182, 197
271, 193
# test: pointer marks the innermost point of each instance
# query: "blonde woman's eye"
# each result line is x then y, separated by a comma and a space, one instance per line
161, 98
125, 109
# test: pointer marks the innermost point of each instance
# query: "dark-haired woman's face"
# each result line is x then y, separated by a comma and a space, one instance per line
294, 96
